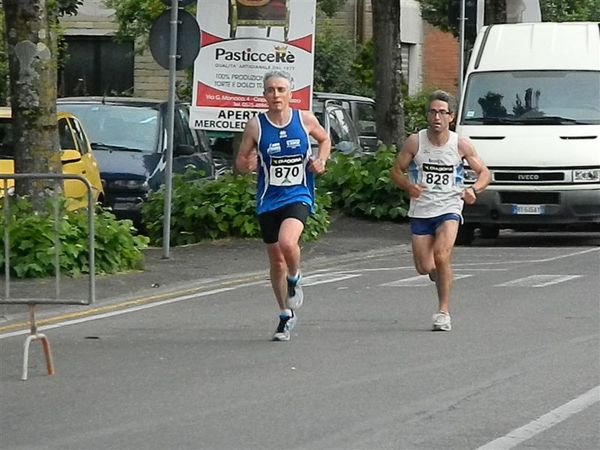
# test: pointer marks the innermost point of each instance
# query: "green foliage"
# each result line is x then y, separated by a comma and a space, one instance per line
436, 11
32, 247
211, 209
330, 7
415, 117
570, 10
68, 7
334, 59
361, 186
364, 69
135, 17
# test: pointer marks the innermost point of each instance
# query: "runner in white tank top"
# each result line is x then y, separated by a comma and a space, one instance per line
440, 171
433, 159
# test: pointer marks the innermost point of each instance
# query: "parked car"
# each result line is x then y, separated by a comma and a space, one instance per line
339, 125
337, 122
77, 157
362, 113
129, 138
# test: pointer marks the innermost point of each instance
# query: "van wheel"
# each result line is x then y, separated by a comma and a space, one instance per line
466, 234
489, 232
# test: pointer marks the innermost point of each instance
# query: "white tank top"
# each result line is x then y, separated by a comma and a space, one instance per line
441, 173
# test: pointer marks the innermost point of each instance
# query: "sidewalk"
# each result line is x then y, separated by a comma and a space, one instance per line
208, 262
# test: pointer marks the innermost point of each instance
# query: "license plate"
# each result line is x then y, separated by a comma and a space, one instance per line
533, 210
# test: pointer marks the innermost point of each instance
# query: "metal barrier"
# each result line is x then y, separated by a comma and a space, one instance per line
57, 300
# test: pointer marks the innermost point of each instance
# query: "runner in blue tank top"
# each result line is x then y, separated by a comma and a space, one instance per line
276, 144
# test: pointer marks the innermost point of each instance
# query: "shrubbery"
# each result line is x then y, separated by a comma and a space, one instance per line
32, 242
213, 209
361, 186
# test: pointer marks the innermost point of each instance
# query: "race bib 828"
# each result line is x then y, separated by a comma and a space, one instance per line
438, 177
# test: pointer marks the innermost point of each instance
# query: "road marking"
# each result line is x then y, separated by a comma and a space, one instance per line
327, 278
543, 423
420, 280
94, 316
538, 281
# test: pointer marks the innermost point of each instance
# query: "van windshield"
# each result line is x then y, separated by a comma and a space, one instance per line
532, 98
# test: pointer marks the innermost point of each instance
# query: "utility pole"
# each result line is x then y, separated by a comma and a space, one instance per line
461, 68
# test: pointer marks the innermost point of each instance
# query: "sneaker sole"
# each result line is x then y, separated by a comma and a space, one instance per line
280, 338
442, 328
296, 301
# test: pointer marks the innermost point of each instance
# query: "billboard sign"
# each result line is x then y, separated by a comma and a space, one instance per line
240, 41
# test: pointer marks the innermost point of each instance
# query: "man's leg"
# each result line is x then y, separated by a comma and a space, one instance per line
289, 237
442, 255
422, 247
278, 272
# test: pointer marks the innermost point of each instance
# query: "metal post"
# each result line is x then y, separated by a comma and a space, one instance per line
461, 66
170, 123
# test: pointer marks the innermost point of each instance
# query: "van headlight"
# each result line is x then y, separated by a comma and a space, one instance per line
586, 175
470, 176
131, 185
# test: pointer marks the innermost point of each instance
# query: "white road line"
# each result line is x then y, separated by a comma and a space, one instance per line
327, 278
543, 423
420, 280
538, 281
119, 312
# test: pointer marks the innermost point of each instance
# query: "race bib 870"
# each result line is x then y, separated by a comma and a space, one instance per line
286, 171
438, 177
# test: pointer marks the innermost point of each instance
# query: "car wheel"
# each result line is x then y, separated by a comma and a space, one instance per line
466, 234
489, 232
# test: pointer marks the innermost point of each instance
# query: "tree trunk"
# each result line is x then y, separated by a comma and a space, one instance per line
388, 71
32, 58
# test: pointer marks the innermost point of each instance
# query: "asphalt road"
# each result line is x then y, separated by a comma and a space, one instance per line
363, 370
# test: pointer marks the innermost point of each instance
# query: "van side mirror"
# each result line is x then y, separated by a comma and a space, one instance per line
184, 150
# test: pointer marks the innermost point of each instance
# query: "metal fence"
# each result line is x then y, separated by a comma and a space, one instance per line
56, 299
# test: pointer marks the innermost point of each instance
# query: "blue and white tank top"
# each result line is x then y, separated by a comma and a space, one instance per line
283, 156
440, 171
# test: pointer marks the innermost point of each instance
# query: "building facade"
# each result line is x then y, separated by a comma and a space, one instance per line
99, 65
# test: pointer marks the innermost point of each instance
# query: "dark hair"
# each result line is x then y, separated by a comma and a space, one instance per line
444, 97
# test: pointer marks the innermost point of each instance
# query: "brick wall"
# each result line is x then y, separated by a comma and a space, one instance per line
440, 59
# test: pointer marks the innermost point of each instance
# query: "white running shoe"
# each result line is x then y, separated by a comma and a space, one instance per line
286, 324
442, 322
295, 296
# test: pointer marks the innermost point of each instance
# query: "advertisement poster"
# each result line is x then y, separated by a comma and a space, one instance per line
240, 41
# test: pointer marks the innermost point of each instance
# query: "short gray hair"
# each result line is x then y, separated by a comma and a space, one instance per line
442, 96
277, 74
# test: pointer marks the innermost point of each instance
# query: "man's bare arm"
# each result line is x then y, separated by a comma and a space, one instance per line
467, 151
246, 160
314, 129
403, 160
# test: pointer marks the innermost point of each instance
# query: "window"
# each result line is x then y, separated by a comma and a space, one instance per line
96, 66
65, 136
533, 97
82, 142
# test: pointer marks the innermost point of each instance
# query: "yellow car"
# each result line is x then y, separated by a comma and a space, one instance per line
76, 156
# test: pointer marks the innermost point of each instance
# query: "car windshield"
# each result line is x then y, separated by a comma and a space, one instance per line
118, 127
532, 98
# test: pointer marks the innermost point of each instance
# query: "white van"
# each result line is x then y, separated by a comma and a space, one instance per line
531, 107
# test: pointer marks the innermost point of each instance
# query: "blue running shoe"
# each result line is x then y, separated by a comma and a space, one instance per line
295, 296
